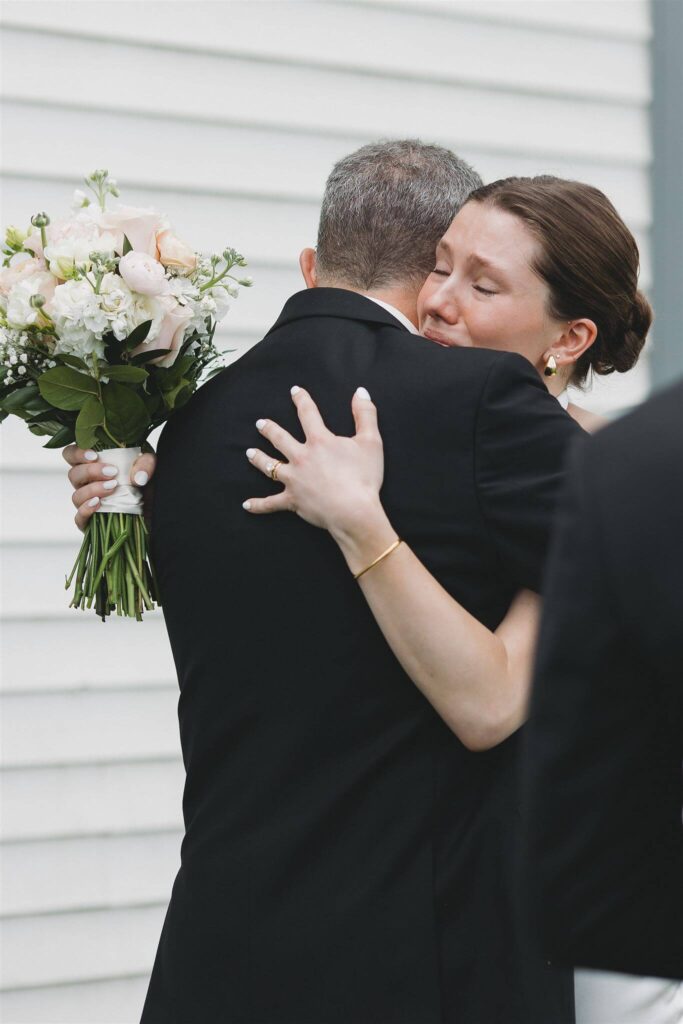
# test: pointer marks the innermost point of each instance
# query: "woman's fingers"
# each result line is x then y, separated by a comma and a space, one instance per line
279, 438
364, 414
86, 510
273, 503
308, 413
74, 455
266, 464
142, 470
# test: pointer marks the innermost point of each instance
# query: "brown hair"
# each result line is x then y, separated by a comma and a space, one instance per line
589, 260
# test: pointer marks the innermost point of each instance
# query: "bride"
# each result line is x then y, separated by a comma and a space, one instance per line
502, 279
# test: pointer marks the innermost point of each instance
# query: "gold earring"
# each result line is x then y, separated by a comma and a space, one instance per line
550, 366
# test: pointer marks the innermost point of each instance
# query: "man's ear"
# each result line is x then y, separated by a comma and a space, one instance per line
308, 267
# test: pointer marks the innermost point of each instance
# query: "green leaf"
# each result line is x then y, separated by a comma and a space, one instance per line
127, 247
168, 377
89, 419
170, 395
126, 413
64, 436
24, 399
70, 360
126, 374
50, 427
65, 388
137, 336
144, 357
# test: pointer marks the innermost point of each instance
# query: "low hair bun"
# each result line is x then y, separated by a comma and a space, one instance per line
620, 350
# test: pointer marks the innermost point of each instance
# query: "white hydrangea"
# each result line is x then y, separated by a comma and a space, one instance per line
79, 318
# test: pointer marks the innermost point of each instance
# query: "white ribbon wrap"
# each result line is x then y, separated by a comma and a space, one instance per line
124, 497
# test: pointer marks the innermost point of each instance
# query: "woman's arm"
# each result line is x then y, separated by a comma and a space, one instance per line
477, 680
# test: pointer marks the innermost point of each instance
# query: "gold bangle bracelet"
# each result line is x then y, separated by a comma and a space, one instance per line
392, 547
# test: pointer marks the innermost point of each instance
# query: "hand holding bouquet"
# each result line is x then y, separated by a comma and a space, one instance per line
107, 322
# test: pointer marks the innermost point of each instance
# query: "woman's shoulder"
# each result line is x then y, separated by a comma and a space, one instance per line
589, 421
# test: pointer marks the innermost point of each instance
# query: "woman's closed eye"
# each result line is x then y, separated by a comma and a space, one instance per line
441, 271
484, 291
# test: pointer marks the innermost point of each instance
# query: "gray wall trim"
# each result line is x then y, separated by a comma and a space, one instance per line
667, 189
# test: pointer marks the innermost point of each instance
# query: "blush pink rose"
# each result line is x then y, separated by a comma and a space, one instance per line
143, 274
17, 271
171, 332
140, 227
174, 253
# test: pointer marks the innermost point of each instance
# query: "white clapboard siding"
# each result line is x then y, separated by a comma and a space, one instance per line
44, 949
106, 1001
70, 653
89, 871
85, 800
227, 116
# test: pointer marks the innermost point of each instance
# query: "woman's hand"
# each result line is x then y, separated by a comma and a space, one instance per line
93, 480
330, 481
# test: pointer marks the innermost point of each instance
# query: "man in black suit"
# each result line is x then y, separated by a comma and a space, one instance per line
604, 753
346, 859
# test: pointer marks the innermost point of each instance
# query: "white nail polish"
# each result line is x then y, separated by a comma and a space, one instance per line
141, 478
246, 505
90, 456
260, 424
93, 502
109, 470
251, 452
295, 390
363, 393
109, 485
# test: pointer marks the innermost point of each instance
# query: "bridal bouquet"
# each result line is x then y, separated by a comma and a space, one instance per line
107, 322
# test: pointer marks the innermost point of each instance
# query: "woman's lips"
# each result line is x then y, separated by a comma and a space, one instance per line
439, 339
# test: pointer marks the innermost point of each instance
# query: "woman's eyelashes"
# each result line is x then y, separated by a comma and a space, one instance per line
483, 291
441, 272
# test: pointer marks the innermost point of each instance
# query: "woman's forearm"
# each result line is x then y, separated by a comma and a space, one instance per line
477, 680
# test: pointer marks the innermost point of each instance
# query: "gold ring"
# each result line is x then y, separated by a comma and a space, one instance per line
273, 470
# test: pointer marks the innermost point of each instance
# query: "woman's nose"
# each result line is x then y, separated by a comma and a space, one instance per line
443, 303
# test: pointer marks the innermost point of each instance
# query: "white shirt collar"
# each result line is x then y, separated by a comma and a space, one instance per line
563, 398
395, 312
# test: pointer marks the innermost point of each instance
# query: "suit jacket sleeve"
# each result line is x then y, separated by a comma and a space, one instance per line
601, 780
522, 437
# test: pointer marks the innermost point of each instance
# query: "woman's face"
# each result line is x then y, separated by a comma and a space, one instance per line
483, 293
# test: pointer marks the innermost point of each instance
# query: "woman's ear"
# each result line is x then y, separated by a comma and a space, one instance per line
578, 336
308, 267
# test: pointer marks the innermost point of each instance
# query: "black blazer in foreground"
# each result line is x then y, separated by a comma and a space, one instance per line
346, 859
604, 751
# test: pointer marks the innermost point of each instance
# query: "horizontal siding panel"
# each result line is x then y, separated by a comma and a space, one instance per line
73, 874
612, 18
326, 36
76, 946
111, 1001
334, 103
91, 655
82, 726
84, 800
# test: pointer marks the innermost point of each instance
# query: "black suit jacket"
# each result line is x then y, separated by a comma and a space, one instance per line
345, 858
603, 765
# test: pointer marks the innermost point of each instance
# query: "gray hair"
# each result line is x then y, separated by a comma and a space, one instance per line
384, 209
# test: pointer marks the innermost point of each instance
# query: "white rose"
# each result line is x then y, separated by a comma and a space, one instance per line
118, 303
20, 312
143, 274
